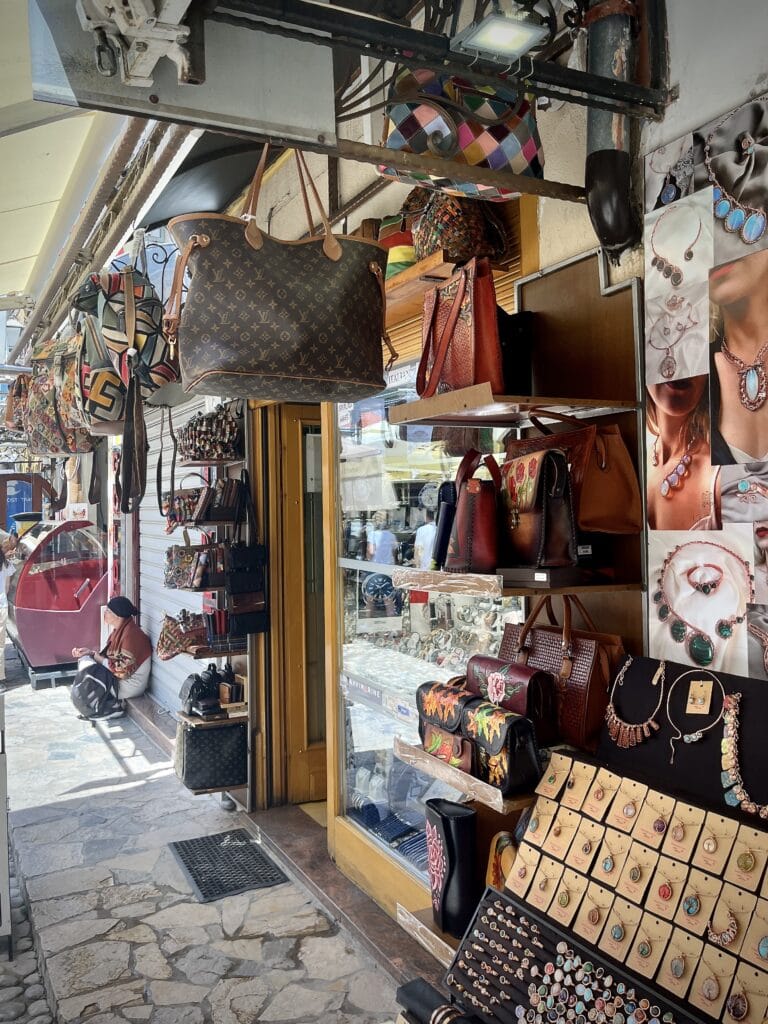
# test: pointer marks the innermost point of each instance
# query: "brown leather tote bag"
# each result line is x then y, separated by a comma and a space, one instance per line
606, 492
583, 663
474, 542
285, 321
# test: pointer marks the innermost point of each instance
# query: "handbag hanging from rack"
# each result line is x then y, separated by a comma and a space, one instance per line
474, 542
460, 334
246, 575
314, 328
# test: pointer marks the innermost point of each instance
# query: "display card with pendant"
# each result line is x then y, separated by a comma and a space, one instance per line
525, 867
577, 785
585, 845
700, 895
748, 858
601, 793
567, 898
747, 1001
593, 912
653, 818
667, 887
715, 843
648, 948
560, 835
678, 964
637, 872
684, 828
545, 883
755, 945
712, 981
730, 919
555, 776
610, 860
620, 929
626, 805
541, 818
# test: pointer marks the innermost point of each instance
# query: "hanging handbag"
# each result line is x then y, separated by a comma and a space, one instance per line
474, 542
310, 323
246, 575
460, 334
46, 432
481, 126
538, 511
506, 755
458, 227
104, 393
180, 634
215, 436
606, 492
15, 406
522, 689
583, 662
446, 512
211, 758
396, 232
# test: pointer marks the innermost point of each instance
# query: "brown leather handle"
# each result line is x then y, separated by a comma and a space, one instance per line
424, 388
567, 635
561, 417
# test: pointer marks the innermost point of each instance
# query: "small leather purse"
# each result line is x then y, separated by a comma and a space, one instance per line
448, 747
506, 755
519, 688
474, 543
538, 510
440, 707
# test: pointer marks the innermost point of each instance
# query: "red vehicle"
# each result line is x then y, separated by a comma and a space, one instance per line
56, 595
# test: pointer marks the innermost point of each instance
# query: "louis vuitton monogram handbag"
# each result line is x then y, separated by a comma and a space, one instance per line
287, 321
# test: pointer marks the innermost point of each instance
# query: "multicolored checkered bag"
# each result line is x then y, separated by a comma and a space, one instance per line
481, 126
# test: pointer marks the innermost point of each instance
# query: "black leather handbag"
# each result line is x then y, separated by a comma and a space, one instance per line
506, 755
246, 575
212, 758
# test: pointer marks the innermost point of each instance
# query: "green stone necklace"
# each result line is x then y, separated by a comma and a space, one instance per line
700, 645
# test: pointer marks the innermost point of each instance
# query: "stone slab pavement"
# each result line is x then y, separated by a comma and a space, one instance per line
119, 936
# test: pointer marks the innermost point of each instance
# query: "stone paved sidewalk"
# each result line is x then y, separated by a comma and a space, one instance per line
119, 936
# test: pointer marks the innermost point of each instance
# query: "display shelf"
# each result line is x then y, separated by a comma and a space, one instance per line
207, 526
235, 718
589, 588
213, 463
478, 404
420, 925
405, 291
199, 590
203, 653
491, 586
473, 788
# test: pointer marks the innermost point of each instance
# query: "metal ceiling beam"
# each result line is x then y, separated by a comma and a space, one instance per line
387, 40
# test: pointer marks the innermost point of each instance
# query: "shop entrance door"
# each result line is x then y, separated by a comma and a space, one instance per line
303, 649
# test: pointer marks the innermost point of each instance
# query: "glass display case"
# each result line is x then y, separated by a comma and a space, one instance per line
394, 636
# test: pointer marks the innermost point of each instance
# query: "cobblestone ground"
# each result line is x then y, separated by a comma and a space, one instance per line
117, 934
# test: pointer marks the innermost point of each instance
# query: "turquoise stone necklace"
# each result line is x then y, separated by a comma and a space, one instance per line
700, 645
693, 737
753, 386
749, 222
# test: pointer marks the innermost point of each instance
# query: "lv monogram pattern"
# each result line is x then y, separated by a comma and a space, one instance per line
283, 322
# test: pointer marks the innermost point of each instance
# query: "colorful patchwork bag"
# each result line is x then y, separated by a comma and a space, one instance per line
396, 232
47, 424
457, 226
16, 403
103, 390
481, 126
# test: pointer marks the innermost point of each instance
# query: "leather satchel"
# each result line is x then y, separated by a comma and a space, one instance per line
506, 755
606, 493
583, 663
474, 543
448, 747
519, 688
460, 334
288, 321
440, 707
538, 511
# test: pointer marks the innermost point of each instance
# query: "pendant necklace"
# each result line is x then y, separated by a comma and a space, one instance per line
735, 793
753, 385
679, 825
728, 934
660, 822
669, 328
677, 176
700, 645
762, 943
762, 636
674, 481
749, 222
697, 734
665, 267
630, 734
710, 986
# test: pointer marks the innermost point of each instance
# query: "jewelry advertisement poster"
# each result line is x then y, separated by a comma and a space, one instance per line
706, 362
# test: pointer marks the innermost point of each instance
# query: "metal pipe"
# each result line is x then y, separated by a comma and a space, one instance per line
6, 369
103, 188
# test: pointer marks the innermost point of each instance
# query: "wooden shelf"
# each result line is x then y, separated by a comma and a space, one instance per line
420, 925
405, 291
478, 404
235, 718
199, 590
210, 462
590, 588
207, 526
491, 586
476, 790
204, 653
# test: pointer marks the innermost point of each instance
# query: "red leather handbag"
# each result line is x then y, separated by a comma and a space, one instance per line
460, 334
583, 663
516, 687
474, 542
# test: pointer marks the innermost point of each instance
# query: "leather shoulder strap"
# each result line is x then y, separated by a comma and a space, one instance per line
428, 389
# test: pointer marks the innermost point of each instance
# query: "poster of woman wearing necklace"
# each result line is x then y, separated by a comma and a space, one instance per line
731, 157
738, 378
701, 586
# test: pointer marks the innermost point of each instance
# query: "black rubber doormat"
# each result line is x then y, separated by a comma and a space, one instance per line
226, 864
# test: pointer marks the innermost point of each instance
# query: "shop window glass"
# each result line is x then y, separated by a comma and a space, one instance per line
393, 639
